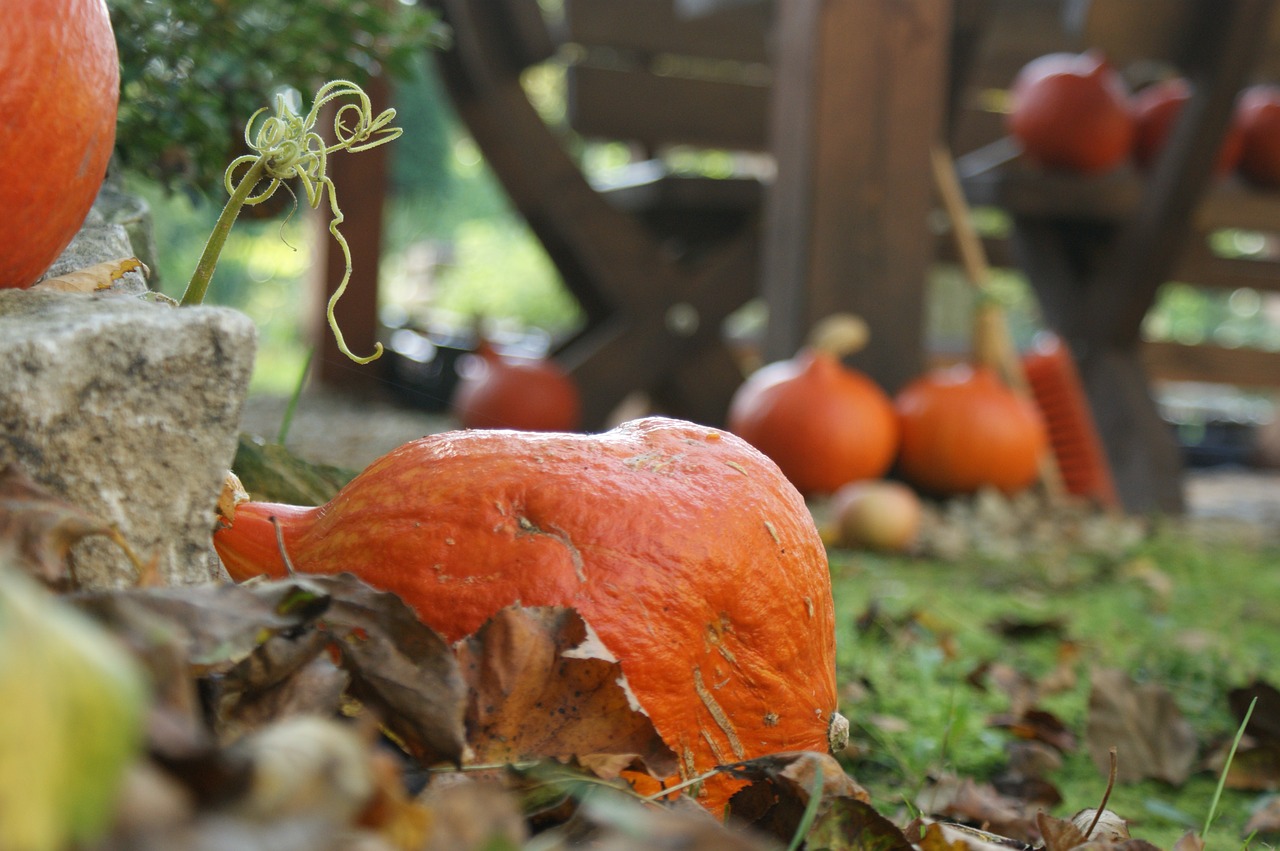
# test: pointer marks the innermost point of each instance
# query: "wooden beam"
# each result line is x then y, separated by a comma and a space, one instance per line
657, 110
858, 100
657, 26
1241, 367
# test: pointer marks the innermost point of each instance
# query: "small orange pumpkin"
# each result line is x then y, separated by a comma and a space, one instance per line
58, 104
822, 422
528, 394
687, 551
963, 429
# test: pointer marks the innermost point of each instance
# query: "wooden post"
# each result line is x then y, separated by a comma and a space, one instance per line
859, 95
360, 182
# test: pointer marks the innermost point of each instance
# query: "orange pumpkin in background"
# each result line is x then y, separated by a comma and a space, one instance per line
1155, 111
685, 549
963, 429
58, 100
529, 394
1258, 119
1071, 111
822, 422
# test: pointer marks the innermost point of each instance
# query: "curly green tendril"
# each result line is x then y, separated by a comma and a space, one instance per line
286, 147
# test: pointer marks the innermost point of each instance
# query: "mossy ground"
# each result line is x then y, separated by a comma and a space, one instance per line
1198, 619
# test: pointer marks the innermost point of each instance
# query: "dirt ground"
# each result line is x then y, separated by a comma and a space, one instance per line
1225, 503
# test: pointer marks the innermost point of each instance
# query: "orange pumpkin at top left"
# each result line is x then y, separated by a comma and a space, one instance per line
58, 105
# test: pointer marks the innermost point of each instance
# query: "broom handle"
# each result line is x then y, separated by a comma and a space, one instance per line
993, 344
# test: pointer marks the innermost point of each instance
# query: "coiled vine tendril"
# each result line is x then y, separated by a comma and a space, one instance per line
286, 147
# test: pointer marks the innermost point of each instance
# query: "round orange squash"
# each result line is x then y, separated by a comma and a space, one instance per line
823, 423
58, 99
529, 394
688, 552
963, 429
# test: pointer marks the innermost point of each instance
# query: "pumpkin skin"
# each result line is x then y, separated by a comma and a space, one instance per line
687, 551
963, 429
1258, 117
528, 394
824, 424
58, 105
1071, 111
1155, 111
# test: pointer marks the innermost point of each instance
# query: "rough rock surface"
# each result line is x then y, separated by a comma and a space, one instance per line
99, 240
129, 410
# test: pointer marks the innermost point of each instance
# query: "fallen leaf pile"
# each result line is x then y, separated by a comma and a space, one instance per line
317, 713
1026, 525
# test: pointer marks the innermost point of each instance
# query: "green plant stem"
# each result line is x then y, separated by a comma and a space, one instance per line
287, 420
1226, 767
199, 284
810, 811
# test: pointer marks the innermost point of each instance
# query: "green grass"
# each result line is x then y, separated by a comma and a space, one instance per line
1213, 625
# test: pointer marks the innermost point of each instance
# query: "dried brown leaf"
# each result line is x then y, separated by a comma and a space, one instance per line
1143, 724
944, 836
283, 680
966, 800
1189, 841
40, 528
543, 685
100, 276
849, 824
217, 626
400, 668
471, 817
781, 787
1059, 834
1037, 725
1264, 723
1255, 767
1265, 820
1025, 778
615, 822
1104, 827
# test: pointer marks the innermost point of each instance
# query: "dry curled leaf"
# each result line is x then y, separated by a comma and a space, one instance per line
100, 276
1143, 724
944, 836
966, 800
782, 786
400, 668
543, 685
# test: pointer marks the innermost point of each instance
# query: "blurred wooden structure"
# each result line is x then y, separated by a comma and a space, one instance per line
845, 97
1096, 250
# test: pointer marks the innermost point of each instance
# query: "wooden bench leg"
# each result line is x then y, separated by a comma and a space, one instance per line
1059, 257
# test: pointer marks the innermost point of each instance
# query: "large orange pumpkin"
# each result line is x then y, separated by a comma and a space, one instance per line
687, 551
58, 96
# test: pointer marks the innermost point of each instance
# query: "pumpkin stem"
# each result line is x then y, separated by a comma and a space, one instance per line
839, 334
286, 147
837, 733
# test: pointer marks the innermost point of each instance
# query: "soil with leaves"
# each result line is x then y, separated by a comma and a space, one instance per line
1089, 691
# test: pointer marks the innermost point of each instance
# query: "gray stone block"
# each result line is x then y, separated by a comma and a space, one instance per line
129, 410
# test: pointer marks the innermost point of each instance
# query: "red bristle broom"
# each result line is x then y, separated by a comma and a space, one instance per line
1047, 375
